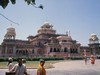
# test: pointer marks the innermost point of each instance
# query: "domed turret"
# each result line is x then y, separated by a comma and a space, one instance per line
10, 34
93, 38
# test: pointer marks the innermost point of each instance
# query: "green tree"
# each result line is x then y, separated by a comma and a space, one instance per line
4, 3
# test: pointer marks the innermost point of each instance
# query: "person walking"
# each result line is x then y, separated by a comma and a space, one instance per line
85, 58
10, 64
20, 68
41, 70
92, 58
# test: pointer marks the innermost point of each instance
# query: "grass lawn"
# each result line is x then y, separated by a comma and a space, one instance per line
32, 64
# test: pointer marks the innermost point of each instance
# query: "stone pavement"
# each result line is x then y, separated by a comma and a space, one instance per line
69, 67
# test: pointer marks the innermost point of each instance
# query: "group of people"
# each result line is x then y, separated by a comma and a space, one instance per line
92, 59
20, 67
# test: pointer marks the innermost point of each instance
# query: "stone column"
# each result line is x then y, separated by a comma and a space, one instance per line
78, 49
48, 50
14, 51
6, 51
68, 50
35, 51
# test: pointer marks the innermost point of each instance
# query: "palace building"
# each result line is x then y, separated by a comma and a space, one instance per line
46, 43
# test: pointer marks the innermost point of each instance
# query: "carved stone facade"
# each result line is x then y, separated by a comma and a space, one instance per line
46, 43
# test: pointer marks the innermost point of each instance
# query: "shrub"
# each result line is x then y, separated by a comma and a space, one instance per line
47, 58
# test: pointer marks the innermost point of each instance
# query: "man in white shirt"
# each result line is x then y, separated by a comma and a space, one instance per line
20, 68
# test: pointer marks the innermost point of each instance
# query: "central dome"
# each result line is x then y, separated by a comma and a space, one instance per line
46, 25
46, 28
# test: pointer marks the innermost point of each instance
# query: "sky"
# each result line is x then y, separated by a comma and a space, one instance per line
80, 17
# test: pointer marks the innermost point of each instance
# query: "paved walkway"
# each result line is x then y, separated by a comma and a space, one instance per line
69, 67
75, 65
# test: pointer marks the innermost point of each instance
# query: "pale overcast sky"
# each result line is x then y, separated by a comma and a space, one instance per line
80, 17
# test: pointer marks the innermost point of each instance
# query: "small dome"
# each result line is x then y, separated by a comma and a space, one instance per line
10, 29
93, 37
93, 34
10, 32
10, 26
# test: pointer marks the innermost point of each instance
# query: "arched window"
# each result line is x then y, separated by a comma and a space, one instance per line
33, 51
16, 51
73, 51
55, 50
65, 49
50, 49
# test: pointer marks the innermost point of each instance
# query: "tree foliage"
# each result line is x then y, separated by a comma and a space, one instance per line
4, 3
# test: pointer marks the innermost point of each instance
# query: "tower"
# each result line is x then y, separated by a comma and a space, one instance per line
10, 33
93, 39
94, 44
8, 44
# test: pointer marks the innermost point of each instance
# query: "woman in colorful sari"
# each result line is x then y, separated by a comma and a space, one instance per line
41, 70
92, 58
